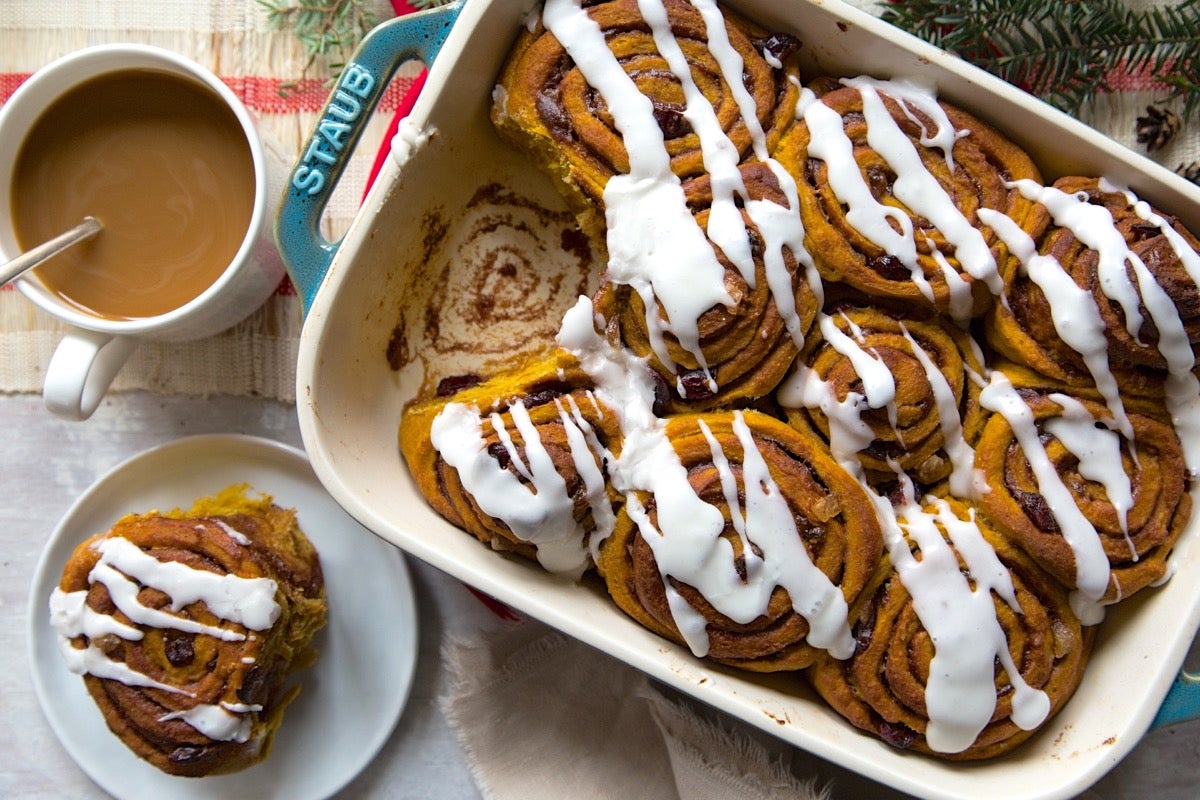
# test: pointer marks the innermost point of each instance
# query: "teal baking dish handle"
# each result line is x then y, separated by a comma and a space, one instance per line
1182, 702
306, 253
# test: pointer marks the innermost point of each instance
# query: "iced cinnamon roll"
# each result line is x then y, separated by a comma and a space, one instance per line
748, 548
1098, 509
551, 100
519, 460
745, 344
186, 627
964, 646
1108, 295
915, 382
891, 180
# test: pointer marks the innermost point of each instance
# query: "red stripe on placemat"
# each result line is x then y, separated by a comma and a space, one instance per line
265, 95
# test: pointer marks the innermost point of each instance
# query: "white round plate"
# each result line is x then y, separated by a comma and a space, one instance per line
350, 699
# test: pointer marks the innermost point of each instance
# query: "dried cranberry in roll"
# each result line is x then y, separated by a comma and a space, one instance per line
519, 460
747, 545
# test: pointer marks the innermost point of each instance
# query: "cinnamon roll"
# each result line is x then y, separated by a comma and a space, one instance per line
918, 384
1098, 509
936, 670
748, 549
744, 346
187, 625
890, 183
547, 102
1125, 272
519, 460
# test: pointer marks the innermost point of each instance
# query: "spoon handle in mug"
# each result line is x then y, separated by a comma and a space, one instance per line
36, 255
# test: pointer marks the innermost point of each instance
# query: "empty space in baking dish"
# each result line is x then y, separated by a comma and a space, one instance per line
386, 322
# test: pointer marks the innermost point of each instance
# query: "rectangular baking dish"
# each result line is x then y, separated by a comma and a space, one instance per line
460, 258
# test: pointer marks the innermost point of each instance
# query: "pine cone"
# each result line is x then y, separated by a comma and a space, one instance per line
1157, 128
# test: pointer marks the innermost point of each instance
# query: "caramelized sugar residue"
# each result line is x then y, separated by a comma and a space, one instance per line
493, 279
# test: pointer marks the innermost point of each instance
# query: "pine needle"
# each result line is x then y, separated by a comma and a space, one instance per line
1064, 50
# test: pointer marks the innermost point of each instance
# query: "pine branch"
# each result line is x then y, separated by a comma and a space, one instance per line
1064, 50
328, 29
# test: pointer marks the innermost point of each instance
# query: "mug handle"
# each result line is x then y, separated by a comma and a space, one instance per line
1182, 703
323, 158
81, 370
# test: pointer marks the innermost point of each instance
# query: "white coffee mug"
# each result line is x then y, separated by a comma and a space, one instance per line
93, 350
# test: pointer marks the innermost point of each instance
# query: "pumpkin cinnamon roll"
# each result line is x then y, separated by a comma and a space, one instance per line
742, 347
519, 460
937, 667
187, 625
747, 543
1097, 508
918, 380
574, 112
1126, 275
891, 180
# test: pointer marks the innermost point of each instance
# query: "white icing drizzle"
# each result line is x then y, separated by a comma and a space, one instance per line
916, 186
965, 481
1093, 226
70, 617
124, 568
654, 244
1073, 311
960, 695
887, 227
767, 521
687, 542
879, 385
1091, 564
1099, 452
647, 206
231, 532
249, 602
539, 510
224, 722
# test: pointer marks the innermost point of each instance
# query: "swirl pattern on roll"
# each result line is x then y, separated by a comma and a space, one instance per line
549, 107
186, 628
773, 542
1098, 511
917, 380
890, 185
745, 346
518, 460
1027, 637
1115, 248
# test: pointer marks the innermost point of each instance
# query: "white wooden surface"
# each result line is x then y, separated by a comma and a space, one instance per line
47, 463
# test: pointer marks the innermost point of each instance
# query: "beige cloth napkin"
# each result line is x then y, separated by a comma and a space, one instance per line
540, 715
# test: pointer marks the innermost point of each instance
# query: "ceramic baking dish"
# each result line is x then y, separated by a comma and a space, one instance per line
463, 255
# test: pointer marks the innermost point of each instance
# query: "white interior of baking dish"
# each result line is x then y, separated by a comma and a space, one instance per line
395, 256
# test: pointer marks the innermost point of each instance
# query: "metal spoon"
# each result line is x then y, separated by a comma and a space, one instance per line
31, 258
